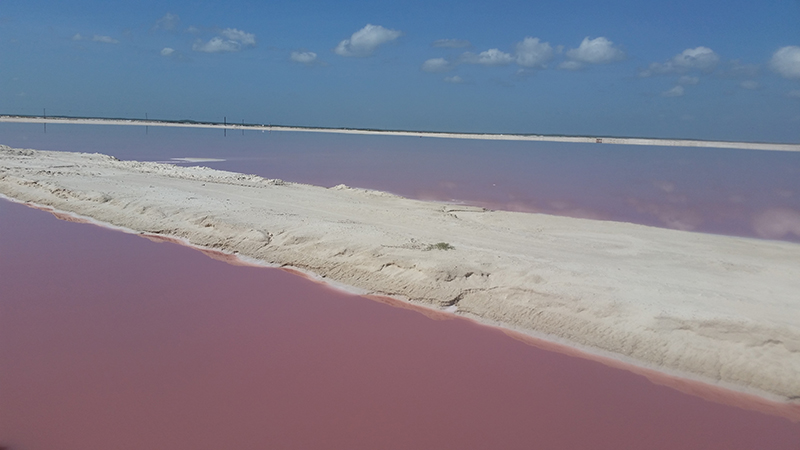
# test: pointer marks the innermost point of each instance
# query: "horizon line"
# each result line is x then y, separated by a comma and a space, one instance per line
598, 139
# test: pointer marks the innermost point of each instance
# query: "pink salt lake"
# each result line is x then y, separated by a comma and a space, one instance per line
108, 340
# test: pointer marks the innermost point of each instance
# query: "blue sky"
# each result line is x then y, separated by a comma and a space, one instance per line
689, 69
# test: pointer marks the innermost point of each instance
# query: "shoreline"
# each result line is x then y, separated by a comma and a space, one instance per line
540, 290
727, 394
762, 146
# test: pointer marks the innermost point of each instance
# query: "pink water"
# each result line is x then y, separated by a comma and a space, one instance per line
111, 341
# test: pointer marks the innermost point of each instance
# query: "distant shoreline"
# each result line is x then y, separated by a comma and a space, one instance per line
764, 146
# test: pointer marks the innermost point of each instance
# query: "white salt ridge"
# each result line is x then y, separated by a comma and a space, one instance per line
767, 146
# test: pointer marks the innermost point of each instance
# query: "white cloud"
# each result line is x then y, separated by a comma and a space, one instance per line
246, 39
700, 58
95, 38
232, 40
786, 62
491, 57
216, 45
677, 91
794, 93
166, 51
570, 65
366, 40
687, 80
436, 65
596, 51
750, 84
451, 43
168, 22
533, 53
454, 79
104, 39
304, 57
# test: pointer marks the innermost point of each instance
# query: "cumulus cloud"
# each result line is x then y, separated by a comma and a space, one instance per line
451, 43
491, 57
596, 51
436, 65
216, 45
531, 52
794, 93
454, 79
677, 91
169, 22
366, 40
750, 85
786, 62
95, 38
232, 34
166, 51
687, 80
230, 40
303, 57
700, 58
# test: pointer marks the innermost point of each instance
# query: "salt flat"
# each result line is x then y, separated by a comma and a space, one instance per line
722, 309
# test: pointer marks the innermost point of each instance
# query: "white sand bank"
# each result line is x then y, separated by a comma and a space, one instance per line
767, 146
725, 309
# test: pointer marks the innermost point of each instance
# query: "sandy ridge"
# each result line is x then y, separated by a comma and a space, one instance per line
716, 307
767, 146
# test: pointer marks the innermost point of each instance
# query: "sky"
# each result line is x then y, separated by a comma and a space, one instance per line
681, 69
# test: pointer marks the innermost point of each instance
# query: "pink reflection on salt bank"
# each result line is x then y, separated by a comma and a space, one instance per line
108, 340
